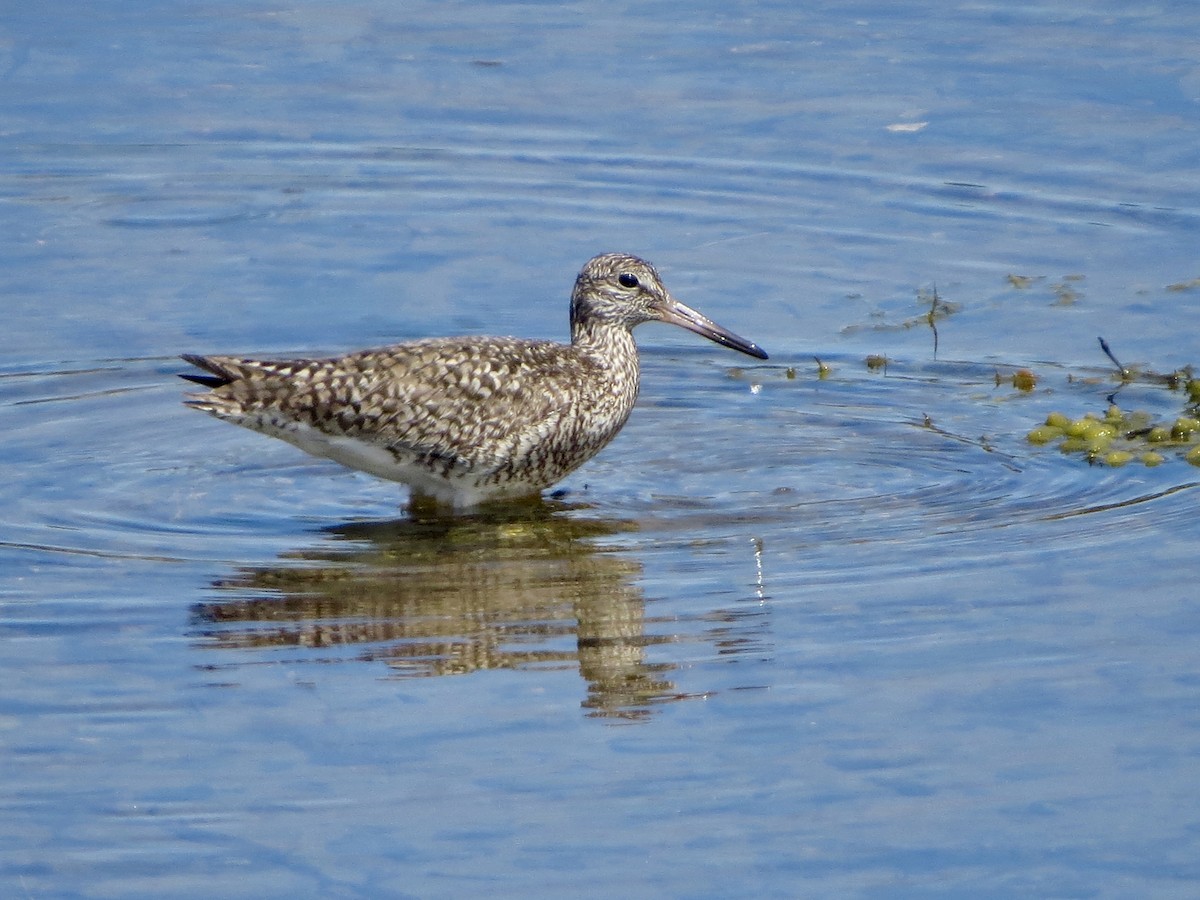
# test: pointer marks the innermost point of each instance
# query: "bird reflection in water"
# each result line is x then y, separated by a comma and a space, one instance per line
454, 595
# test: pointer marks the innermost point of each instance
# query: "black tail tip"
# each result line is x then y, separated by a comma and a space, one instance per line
208, 381
212, 380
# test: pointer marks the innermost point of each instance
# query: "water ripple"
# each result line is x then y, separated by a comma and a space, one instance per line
928, 460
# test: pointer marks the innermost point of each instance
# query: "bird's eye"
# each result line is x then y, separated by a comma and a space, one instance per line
627, 280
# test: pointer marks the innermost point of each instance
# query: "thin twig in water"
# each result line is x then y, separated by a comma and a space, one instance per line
1124, 372
933, 319
1008, 460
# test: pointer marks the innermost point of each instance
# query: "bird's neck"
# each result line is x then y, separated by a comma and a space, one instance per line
604, 340
609, 355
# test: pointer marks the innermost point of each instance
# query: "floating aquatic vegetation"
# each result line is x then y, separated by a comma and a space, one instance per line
935, 310
1067, 291
1119, 437
1024, 380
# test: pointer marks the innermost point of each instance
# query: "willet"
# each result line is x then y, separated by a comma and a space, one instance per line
463, 421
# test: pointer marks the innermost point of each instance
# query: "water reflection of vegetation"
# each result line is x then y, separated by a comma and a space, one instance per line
440, 596
934, 307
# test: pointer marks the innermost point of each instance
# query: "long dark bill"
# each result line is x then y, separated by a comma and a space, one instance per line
685, 317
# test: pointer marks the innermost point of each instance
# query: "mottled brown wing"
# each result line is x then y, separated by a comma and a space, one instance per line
459, 402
